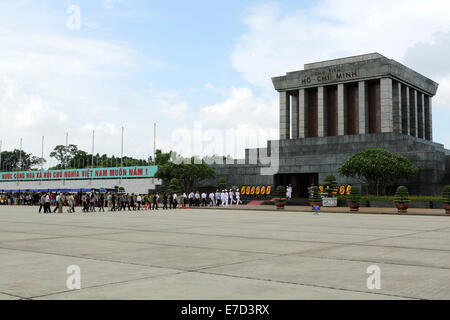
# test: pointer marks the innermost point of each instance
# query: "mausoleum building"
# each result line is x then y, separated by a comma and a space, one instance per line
333, 109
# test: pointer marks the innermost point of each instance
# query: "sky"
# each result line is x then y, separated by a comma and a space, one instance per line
200, 70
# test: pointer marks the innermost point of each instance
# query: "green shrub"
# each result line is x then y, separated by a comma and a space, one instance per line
315, 197
221, 183
329, 184
402, 195
446, 195
413, 198
355, 195
280, 192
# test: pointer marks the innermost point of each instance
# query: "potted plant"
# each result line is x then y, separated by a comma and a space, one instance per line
280, 197
354, 199
401, 199
315, 199
446, 199
329, 186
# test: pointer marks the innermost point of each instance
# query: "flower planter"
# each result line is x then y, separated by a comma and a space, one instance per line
447, 208
280, 203
354, 206
402, 207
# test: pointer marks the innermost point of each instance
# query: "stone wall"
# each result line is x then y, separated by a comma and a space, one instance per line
324, 155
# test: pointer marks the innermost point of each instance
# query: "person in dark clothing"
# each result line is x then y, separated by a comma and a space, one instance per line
113, 202
164, 201
155, 202
132, 204
170, 201
101, 203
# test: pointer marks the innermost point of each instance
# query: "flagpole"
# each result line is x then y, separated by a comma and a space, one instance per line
67, 140
121, 151
93, 133
42, 153
154, 142
20, 154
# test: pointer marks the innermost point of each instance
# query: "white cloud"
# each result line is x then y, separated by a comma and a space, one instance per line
241, 120
278, 41
110, 4
52, 84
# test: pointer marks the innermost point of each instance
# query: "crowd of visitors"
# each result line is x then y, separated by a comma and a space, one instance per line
97, 201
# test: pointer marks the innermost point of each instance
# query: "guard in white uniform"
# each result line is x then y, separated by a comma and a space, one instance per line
222, 198
231, 197
238, 196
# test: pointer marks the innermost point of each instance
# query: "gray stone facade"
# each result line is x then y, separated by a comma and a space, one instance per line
324, 155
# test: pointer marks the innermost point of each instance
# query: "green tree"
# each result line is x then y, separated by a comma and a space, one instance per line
378, 168
17, 160
189, 174
162, 158
64, 154
174, 186
329, 185
82, 159
280, 192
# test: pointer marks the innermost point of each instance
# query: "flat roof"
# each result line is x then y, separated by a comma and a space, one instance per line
352, 69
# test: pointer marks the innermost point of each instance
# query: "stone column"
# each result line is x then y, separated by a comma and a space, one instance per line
397, 106
322, 111
405, 110
420, 115
387, 122
342, 110
285, 113
303, 113
294, 105
428, 119
413, 112
363, 106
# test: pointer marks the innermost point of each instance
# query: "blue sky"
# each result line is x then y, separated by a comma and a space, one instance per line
192, 64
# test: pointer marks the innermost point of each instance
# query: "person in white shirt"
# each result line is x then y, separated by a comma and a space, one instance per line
175, 200
47, 204
238, 196
57, 200
218, 198
211, 199
222, 198
231, 197
289, 192
184, 199
197, 199
225, 199
191, 199
139, 201
204, 199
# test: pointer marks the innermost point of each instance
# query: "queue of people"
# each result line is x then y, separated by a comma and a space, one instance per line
213, 199
100, 202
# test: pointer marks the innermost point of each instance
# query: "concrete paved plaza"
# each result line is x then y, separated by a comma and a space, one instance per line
222, 254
